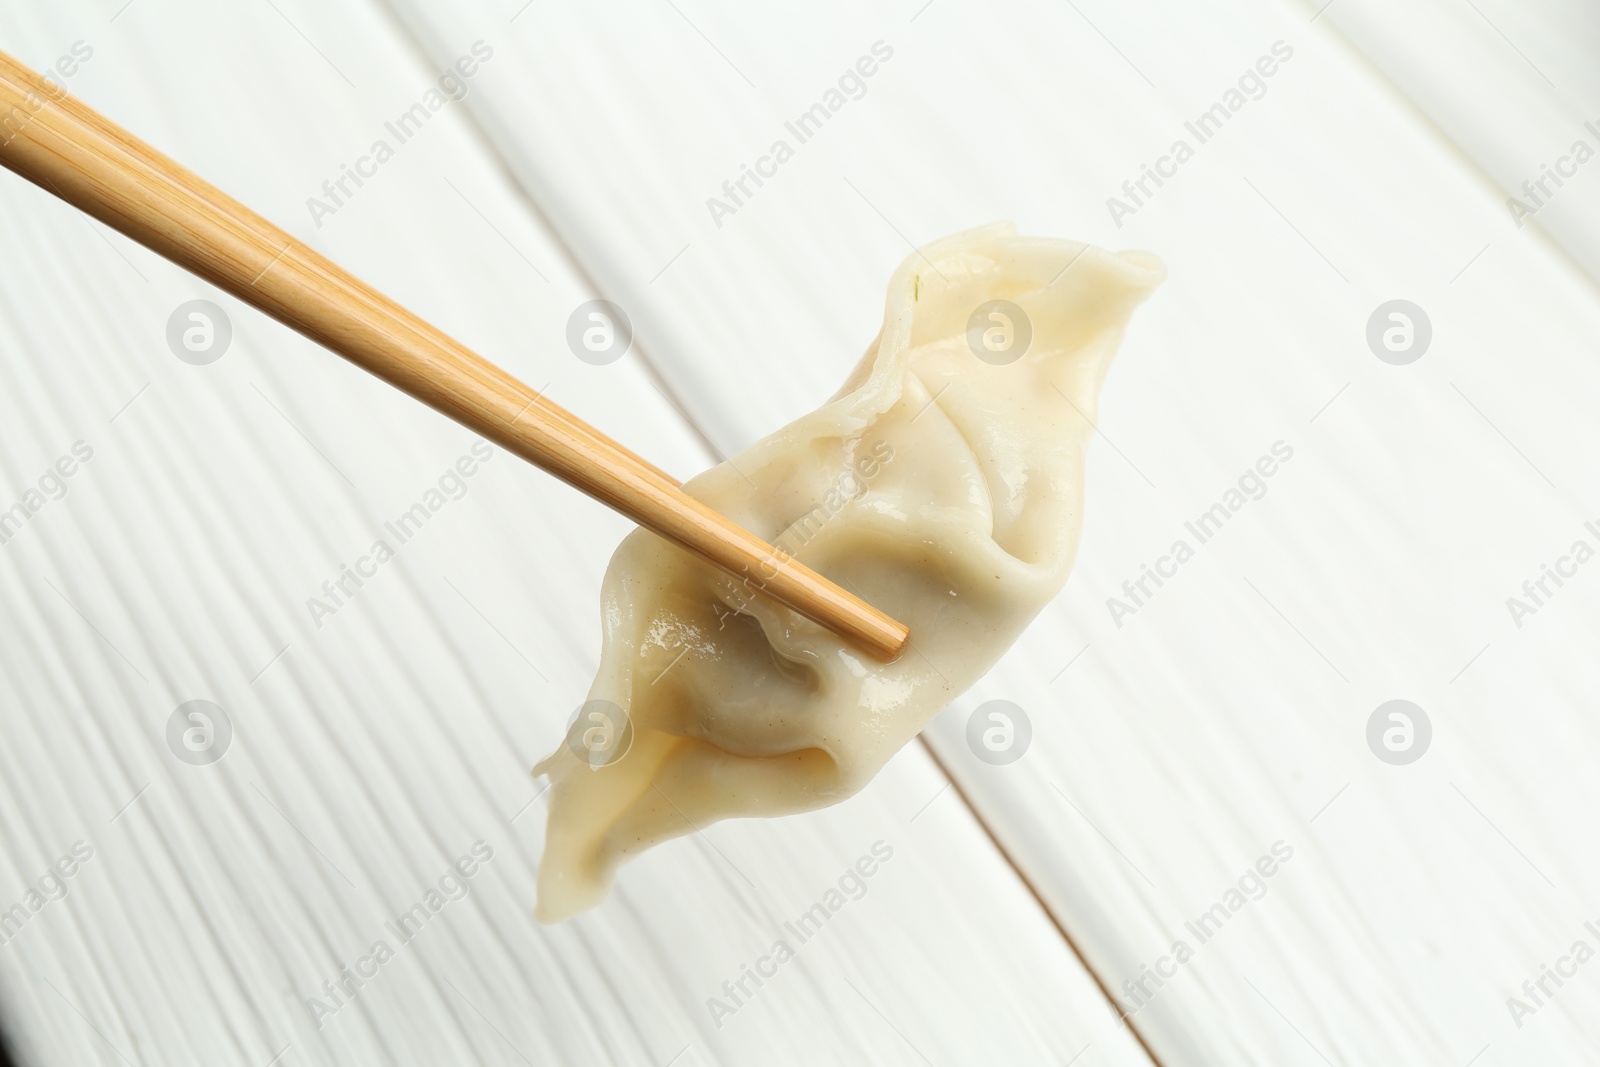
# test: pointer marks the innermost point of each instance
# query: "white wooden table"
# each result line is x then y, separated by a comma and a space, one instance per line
1024, 907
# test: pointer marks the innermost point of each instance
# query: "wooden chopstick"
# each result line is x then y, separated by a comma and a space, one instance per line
67, 148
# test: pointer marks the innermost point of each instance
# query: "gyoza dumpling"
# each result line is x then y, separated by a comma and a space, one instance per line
943, 484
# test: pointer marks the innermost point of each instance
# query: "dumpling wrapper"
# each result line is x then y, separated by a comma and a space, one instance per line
940, 487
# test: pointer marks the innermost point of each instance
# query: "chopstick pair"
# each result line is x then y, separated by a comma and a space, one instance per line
67, 148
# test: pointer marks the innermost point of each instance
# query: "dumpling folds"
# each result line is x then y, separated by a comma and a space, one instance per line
944, 488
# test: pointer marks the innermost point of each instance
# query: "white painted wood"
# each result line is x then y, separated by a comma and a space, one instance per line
1230, 712
1515, 87
375, 749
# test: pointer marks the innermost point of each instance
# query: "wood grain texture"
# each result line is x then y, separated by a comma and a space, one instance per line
1513, 87
375, 745
66, 148
1229, 712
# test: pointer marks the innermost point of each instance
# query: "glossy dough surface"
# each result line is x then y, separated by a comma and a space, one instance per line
943, 488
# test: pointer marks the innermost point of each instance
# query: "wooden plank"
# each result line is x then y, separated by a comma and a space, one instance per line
1230, 711
1514, 87
377, 738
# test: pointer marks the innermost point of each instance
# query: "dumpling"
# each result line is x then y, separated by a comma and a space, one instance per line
943, 484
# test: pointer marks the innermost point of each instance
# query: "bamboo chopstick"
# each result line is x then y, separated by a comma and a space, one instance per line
69, 149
